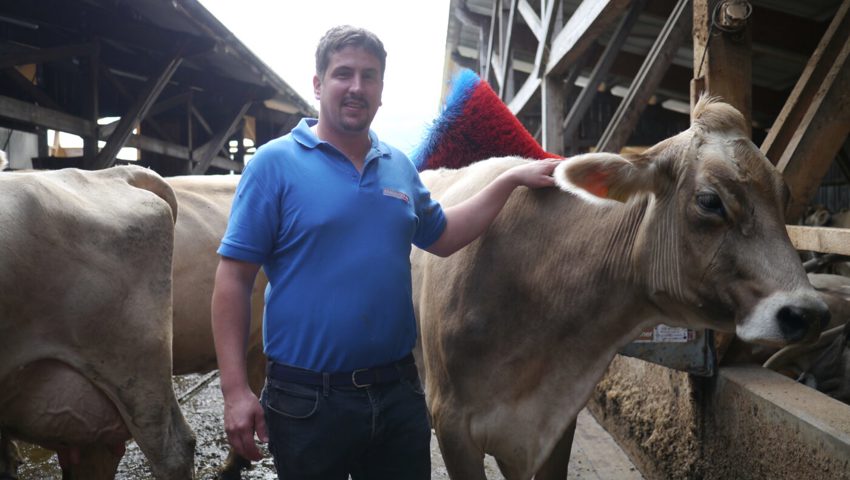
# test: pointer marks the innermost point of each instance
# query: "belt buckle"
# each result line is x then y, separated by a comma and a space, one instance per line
354, 378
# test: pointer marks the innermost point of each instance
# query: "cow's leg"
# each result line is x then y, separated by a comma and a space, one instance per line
10, 458
555, 467
462, 457
233, 466
95, 462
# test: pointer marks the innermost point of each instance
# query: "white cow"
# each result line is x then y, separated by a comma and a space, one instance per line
85, 318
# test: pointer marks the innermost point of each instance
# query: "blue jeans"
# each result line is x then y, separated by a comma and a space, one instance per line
381, 432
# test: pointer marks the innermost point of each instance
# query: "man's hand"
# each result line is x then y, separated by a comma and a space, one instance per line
243, 416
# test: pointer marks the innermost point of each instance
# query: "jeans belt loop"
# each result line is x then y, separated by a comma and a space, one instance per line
326, 383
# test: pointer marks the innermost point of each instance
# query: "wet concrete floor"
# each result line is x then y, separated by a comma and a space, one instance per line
595, 455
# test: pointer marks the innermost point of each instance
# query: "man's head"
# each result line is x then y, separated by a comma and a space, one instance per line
343, 36
349, 81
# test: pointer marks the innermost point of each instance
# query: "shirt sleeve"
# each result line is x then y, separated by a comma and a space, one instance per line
254, 213
432, 220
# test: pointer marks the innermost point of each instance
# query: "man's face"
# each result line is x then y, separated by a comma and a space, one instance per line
349, 93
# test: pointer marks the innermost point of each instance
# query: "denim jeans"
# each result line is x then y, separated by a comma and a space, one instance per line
381, 432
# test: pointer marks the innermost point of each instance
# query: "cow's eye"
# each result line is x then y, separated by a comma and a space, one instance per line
710, 202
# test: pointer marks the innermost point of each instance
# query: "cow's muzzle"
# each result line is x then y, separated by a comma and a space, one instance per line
785, 318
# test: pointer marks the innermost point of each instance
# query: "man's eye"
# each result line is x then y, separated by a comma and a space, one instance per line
711, 203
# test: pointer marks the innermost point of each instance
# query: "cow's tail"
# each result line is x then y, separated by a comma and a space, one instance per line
475, 124
149, 180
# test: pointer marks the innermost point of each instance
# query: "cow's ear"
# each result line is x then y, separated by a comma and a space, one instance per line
596, 176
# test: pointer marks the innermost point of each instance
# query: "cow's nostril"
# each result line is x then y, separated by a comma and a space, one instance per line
793, 323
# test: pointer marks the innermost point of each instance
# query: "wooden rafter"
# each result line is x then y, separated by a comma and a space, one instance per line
601, 69
815, 121
131, 119
205, 153
45, 55
646, 81
44, 118
555, 55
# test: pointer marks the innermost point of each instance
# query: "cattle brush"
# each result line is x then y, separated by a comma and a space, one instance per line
474, 124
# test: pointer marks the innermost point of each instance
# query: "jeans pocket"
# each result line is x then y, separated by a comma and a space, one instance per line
292, 400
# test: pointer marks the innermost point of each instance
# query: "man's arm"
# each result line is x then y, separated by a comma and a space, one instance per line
467, 220
231, 319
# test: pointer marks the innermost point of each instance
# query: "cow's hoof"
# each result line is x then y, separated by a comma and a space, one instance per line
232, 469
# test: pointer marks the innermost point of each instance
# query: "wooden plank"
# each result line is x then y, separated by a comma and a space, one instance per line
820, 239
590, 20
44, 117
553, 96
646, 81
722, 61
815, 121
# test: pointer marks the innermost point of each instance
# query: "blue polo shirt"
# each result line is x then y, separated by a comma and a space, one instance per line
335, 245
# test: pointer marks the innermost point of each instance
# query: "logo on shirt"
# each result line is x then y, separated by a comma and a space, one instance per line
395, 194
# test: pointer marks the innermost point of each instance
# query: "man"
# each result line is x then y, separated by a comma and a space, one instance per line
330, 213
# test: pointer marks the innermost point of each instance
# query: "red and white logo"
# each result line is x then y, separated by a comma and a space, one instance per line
396, 194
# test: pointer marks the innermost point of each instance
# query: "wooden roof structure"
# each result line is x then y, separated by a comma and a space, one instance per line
605, 74
182, 86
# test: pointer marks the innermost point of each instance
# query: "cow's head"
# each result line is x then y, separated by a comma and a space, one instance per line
711, 245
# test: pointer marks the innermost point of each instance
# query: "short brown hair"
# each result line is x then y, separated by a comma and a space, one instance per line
343, 36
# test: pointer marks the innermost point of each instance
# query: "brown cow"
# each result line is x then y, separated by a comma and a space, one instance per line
519, 326
85, 318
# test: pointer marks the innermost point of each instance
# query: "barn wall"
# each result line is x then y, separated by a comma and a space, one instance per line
744, 423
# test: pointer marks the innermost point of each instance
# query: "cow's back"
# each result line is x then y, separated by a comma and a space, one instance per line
204, 207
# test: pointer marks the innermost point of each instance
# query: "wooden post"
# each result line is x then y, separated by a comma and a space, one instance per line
723, 54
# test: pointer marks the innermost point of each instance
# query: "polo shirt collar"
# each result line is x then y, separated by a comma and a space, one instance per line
303, 135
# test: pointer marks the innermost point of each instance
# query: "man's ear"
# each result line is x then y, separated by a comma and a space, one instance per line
317, 87
605, 176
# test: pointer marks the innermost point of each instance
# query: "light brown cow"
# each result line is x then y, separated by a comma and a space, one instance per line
85, 317
204, 206
201, 220
519, 326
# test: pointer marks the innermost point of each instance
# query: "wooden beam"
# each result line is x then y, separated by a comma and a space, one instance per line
27, 87
205, 154
646, 81
507, 61
553, 95
601, 69
44, 117
45, 55
722, 60
591, 19
531, 19
92, 102
820, 239
131, 119
494, 21
815, 121
521, 98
